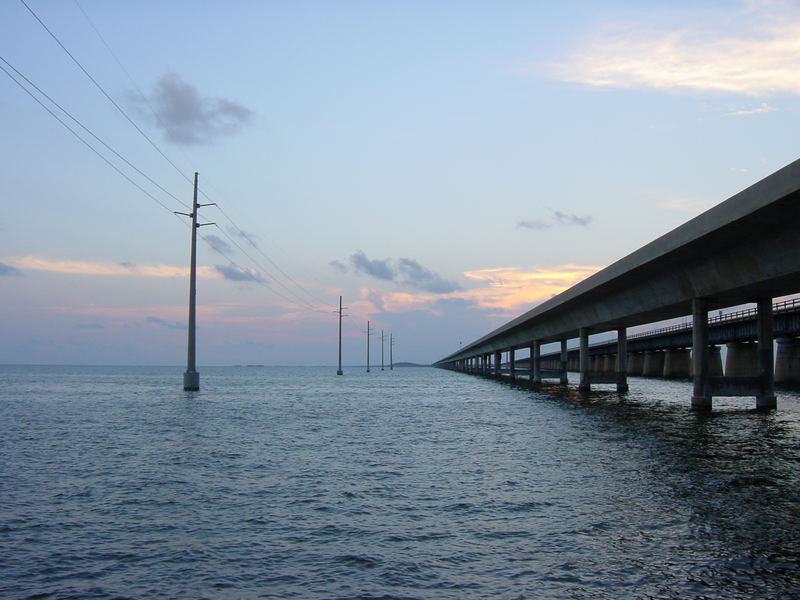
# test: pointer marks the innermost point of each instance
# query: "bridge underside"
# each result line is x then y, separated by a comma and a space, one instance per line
743, 250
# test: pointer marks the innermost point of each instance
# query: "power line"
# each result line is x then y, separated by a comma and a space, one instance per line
153, 144
272, 277
90, 132
103, 91
238, 229
142, 96
241, 233
83, 141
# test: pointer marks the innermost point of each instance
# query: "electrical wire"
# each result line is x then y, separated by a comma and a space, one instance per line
272, 277
83, 141
90, 132
239, 231
103, 91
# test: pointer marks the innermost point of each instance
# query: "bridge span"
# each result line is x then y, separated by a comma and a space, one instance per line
746, 249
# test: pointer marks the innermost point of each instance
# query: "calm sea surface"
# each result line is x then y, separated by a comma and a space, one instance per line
413, 483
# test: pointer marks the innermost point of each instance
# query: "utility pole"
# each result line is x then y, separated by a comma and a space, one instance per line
391, 347
369, 333
339, 370
382, 349
191, 378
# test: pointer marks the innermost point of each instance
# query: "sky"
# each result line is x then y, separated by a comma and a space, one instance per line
443, 166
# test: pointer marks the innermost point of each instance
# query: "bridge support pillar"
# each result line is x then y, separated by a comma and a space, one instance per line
562, 379
512, 363
584, 383
766, 399
742, 359
787, 363
635, 363
536, 367
701, 379
653, 364
622, 360
714, 361
496, 364
677, 363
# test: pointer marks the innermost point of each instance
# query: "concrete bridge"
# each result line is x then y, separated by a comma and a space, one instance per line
746, 249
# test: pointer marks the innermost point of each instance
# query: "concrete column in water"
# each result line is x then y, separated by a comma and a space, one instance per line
562, 364
512, 362
741, 359
766, 399
653, 363
497, 360
677, 363
701, 379
535, 362
635, 362
714, 361
622, 359
584, 383
787, 362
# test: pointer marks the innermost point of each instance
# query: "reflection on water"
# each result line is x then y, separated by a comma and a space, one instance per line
413, 483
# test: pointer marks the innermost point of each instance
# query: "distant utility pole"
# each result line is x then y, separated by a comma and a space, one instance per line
391, 346
339, 370
382, 349
191, 378
369, 333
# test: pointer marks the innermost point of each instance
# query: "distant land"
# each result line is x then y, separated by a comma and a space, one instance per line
408, 364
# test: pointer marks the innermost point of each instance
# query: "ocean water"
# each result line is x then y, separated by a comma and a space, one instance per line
413, 483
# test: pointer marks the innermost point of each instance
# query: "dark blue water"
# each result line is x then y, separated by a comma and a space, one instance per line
414, 483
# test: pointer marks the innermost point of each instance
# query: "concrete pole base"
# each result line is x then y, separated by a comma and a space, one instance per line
701, 403
340, 372
766, 403
622, 388
191, 381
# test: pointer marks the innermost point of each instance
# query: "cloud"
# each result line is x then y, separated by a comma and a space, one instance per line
250, 238
686, 204
760, 59
406, 271
186, 117
9, 271
535, 224
759, 110
75, 267
556, 218
163, 323
502, 292
218, 245
233, 273
90, 326
380, 269
512, 288
568, 219
421, 278
338, 266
